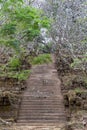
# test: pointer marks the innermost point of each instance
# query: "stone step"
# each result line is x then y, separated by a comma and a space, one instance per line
42, 98
42, 121
42, 125
42, 114
60, 108
42, 103
42, 109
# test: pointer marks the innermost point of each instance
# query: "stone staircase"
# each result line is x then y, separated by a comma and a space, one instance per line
42, 101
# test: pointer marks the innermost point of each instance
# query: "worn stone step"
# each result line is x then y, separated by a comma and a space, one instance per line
39, 98
42, 103
42, 114
42, 108
42, 118
42, 121
26, 107
42, 125
42, 97
29, 117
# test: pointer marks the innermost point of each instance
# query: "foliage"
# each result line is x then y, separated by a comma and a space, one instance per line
76, 62
80, 63
78, 90
20, 75
20, 23
42, 59
14, 63
68, 29
45, 48
11, 43
8, 29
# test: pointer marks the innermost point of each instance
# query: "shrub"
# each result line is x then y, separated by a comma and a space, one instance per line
23, 75
14, 63
20, 75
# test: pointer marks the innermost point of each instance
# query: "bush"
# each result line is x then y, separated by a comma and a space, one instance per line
20, 75
15, 63
23, 75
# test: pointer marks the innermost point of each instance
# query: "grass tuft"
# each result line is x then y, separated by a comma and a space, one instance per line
41, 59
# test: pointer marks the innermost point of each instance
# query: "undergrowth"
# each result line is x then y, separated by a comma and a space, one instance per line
41, 59
10, 72
14, 63
13, 68
20, 75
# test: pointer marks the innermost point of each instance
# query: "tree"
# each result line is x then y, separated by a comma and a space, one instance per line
68, 29
19, 23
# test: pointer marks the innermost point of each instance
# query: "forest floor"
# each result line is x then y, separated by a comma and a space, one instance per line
42, 106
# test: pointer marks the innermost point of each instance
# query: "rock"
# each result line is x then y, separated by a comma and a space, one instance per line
71, 97
78, 101
84, 95
66, 101
68, 127
68, 117
84, 123
85, 107
85, 117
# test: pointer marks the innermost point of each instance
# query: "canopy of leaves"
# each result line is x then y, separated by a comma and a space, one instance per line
19, 23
